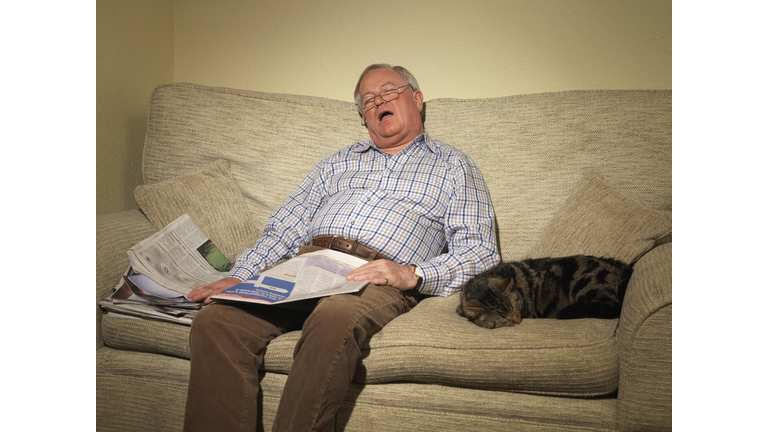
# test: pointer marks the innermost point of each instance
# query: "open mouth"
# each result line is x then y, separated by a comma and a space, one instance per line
385, 114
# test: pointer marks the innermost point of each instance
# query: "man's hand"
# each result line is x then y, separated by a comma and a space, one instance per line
206, 291
385, 272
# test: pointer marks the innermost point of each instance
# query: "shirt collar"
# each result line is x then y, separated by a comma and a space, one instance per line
423, 138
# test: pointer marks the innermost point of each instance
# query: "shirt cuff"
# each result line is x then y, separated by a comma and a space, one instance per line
432, 283
242, 273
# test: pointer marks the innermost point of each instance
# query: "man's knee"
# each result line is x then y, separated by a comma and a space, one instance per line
339, 310
366, 312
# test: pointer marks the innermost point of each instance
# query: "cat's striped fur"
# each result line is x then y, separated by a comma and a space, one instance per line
564, 288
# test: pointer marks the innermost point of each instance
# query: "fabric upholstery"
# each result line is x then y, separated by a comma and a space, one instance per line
116, 233
597, 220
645, 338
212, 199
127, 382
433, 344
533, 149
432, 407
130, 334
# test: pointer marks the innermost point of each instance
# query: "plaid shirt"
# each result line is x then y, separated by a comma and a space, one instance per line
408, 206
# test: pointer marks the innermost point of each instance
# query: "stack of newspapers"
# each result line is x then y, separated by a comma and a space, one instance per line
165, 267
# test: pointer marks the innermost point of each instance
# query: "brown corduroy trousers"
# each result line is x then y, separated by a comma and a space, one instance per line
227, 350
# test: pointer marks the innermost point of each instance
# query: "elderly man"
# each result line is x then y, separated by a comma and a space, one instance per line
402, 198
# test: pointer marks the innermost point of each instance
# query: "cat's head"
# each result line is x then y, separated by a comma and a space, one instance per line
491, 302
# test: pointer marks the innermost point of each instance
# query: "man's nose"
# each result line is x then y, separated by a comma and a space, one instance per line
380, 97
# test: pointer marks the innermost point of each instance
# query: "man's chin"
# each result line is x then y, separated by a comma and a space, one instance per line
384, 134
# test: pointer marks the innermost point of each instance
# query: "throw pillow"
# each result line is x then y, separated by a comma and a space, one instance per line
211, 198
600, 221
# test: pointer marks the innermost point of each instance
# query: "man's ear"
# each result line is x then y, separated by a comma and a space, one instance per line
419, 97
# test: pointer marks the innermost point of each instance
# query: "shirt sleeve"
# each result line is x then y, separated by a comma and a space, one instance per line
470, 231
286, 230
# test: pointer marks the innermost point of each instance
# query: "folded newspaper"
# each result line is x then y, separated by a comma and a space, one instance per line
179, 257
163, 269
307, 276
138, 296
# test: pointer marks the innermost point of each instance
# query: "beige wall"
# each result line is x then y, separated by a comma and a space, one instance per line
134, 54
462, 49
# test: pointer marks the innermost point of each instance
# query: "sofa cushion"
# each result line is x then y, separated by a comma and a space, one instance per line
532, 149
134, 334
432, 344
598, 220
145, 335
211, 198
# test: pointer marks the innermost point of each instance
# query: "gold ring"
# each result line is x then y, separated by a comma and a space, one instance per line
386, 281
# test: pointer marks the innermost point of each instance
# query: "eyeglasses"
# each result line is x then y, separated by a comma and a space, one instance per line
368, 102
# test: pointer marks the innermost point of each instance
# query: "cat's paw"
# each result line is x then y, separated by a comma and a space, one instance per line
495, 322
481, 317
460, 310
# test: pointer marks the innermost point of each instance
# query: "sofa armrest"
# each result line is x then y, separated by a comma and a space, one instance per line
645, 344
115, 234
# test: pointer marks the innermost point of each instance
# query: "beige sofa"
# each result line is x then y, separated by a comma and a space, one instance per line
568, 172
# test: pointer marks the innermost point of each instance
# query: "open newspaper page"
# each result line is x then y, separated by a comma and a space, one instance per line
179, 257
311, 275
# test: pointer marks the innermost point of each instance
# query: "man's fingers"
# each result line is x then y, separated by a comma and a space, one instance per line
382, 272
206, 291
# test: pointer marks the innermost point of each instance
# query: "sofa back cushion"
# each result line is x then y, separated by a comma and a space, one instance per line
531, 149
534, 149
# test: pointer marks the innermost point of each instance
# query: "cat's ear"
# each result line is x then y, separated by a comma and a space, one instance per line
516, 307
515, 301
500, 285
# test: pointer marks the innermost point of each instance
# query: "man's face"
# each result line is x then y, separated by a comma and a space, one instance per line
394, 124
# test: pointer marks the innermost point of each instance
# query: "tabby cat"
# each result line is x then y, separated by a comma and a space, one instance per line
564, 288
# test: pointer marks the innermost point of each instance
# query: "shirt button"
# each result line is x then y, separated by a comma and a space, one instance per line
352, 223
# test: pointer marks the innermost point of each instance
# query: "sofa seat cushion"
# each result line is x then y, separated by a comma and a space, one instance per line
133, 334
432, 344
136, 334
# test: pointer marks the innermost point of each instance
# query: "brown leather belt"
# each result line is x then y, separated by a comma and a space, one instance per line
352, 247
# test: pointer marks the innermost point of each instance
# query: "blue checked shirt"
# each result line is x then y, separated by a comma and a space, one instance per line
407, 206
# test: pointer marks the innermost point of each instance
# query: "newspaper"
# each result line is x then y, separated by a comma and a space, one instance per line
137, 296
168, 265
307, 276
179, 257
